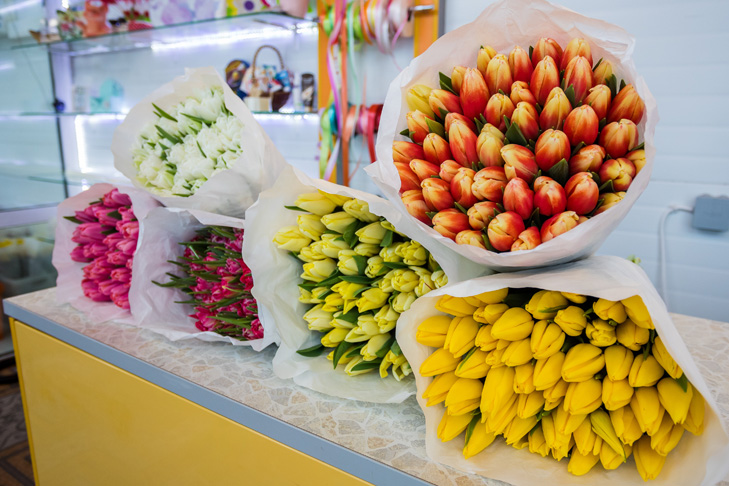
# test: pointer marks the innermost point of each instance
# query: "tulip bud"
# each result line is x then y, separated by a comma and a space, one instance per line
578, 74
558, 224
599, 99
291, 238
583, 397
441, 361
372, 233
499, 419
546, 47
498, 107
449, 222
525, 117
504, 229
524, 374
443, 102
551, 147
618, 362
437, 194
527, 239
545, 304
481, 213
520, 65
334, 337
498, 390
616, 394
576, 47
484, 339
519, 198
583, 361
448, 169
457, 78
609, 310
537, 443
626, 425
544, 79
612, 460
473, 366
464, 396
519, 428
408, 180
432, 331
647, 408
546, 339
423, 169
637, 157
626, 105
587, 159
631, 336
571, 320
451, 117
489, 314
463, 144
519, 162
520, 92
474, 93
461, 187
492, 296
489, 183
602, 72
547, 371
514, 325
582, 125
600, 333
417, 125
667, 437
517, 353
586, 440
554, 395
451, 426
485, 54
665, 359
439, 388
619, 137
580, 464
676, 401
470, 237
479, 440
461, 335
455, 306
549, 196
415, 205
529, 404
695, 420
648, 462
582, 193
417, 99
610, 199
498, 74
603, 426
638, 312
621, 171
406, 151
565, 422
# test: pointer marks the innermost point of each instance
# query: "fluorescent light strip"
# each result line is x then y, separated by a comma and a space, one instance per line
79, 122
229, 37
18, 6
266, 117
6, 66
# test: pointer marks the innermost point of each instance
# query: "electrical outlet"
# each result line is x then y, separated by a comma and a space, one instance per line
711, 213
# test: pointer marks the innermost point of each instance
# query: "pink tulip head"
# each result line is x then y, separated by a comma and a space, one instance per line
115, 199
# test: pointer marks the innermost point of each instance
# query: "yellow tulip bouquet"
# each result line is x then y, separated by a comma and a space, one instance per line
586, 377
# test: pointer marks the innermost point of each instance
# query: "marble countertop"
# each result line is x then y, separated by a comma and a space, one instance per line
391, 434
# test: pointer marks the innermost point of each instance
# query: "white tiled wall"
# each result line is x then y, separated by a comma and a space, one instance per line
681, 52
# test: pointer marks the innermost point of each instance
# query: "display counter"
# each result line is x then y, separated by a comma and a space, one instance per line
114, 404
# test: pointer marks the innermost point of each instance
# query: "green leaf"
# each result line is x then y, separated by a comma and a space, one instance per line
465, 358
507, 122
195, 118
349, 233
535, 218
387, 239
472, 425
366, 365
539, 108
435, 127
115, 215
487, 243
331, 280
430, 214
570, 94
622, 84
601, 124
163, 114
361, 262
683, 382
501, 91
353, 351
358, 279
612, 83
395, 348
296, 208
168, 136
386, 348
600, 202
549, 310
479, 125
446, 83
443, 113
308, 285
339, 352
73, 219
577, 148
461, 208
395, 265
312, 351
531, 51
641, 146
560, 172
597, 64
405, 133
607, 187
513, 133
543, 414
200, 149
350, 316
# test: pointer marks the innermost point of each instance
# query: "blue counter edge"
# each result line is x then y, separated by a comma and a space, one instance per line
312, 445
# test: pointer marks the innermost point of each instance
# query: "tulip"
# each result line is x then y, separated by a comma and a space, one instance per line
290, 238
450, 222
647, 409
479, 440
524, 376
610, 199
406, 151
676, 401
519, 198
441, 361
695, 419
546, 339
474, 93
485, 54
481, 213
582, 125
586, 440
527, 239
604, 427
461, 335
443, 102
360, 210
520, 92
558, 224
537, 443
545, 304
489, 183
371, 299
417, 99
582, 193
645, 372
612, 460
471, 237
484, 339
565, 422
621, 171
451, 426
520, 65
498, 390
529, 404
626, 425
554, 395
456, 306
637, 157
387, 318
437, 194
423, 169
583, 361
331, 246
616, 394
372, 233
575, 48
665, 359
461, 187
618, 362
517, 353
609, 310
498, 74
600, 333
583, 397
519, 428
435, 149
667, 437
525, 117
551, 147
463, 144
315, 203
514, 324
403, 301
631, 336
408, 180
619, 138
555, 111
417, 125
580, 464
578, 74
473, 366
498, 107
438, 389
493, 358
457, 78
451, 117
571, 320
599, 99
547, 371
504, 230
337, 222
416, 206
648, 462
499, 420
376, 347
638, 312
489, 314
546, 47
464, 396
587, 159
448, 170
544, 79
626, 105
549, 196
334, 337
602, 72
89, 233
311, 225
519, 162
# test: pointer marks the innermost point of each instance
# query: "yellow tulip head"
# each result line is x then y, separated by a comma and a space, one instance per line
291, 238
546, 339
632, 336
517, 353
451, 426
580, 464
316, 203
530, 404
600, 333
638, 312
513, 325
648, 461
645, 371
647, 409
665, 359
667, 437
498, 390
461, 335
493, 297
473, 365
537, 443
583, 397
518, 428
548, 371
572, 320
582, 362
439, 388
455, 306
484, 339
611, 459
694, 422
464, 396
478, 439
545, 304
618, 361
607, 310
441, 361
490, 313
674, 399
626, 425
616, 394
524, 378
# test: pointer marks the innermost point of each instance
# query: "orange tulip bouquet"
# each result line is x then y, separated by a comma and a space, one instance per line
513, 140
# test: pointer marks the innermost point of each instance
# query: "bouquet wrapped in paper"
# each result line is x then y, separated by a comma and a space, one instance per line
193, 143
519, 147
579, 364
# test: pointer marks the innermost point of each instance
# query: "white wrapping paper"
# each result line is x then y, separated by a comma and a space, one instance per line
696, 461
70, 273
228, 192
503, 25
276, 278
154, 307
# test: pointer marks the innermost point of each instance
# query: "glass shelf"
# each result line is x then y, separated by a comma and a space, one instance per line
219, 31
120, 116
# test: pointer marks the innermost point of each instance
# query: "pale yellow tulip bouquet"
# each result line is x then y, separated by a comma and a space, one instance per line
358, 275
